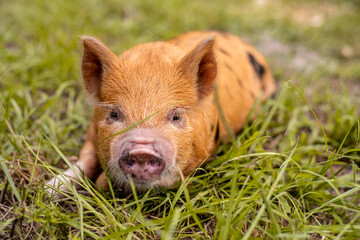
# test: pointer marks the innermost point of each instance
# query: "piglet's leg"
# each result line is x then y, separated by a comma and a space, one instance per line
101, 182
87, 164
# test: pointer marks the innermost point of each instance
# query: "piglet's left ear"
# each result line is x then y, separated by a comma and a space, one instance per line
200, 64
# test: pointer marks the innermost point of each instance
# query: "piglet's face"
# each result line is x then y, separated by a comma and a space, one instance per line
147, 108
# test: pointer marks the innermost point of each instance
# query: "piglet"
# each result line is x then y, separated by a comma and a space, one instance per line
154, 107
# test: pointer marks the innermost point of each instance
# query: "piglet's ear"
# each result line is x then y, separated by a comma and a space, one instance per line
97, 60
200, 64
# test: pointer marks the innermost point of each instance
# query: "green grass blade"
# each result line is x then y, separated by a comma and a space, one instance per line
10, 179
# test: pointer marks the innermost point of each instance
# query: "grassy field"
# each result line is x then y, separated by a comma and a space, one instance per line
295, 175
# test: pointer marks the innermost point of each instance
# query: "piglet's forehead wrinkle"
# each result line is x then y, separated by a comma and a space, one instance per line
149, 95
144, 82
152, 62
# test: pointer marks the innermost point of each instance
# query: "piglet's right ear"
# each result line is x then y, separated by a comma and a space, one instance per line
97, 60
200, 64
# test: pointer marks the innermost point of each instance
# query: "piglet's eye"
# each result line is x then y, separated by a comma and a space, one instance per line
176, 117
114, 115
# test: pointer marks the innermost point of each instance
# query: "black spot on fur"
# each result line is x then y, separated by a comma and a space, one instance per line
252, 95
240, 82
228, 67
263, 87
259, 69
224, 52
193, 146
217, 134
224, 34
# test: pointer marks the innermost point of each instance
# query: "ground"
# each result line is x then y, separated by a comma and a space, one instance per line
294, 174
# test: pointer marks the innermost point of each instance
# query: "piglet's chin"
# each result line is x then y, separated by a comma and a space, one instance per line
144, 156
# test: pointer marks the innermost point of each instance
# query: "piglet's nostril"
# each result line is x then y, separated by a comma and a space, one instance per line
130, 162
154, 162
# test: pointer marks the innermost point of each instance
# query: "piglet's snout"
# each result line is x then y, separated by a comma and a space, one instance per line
143, 158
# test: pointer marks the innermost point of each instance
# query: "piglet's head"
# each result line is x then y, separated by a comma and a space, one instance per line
154, 95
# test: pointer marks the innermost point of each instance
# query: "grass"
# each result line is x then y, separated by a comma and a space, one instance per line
294, 174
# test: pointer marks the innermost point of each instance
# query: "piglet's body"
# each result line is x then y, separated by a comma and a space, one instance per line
171, 85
